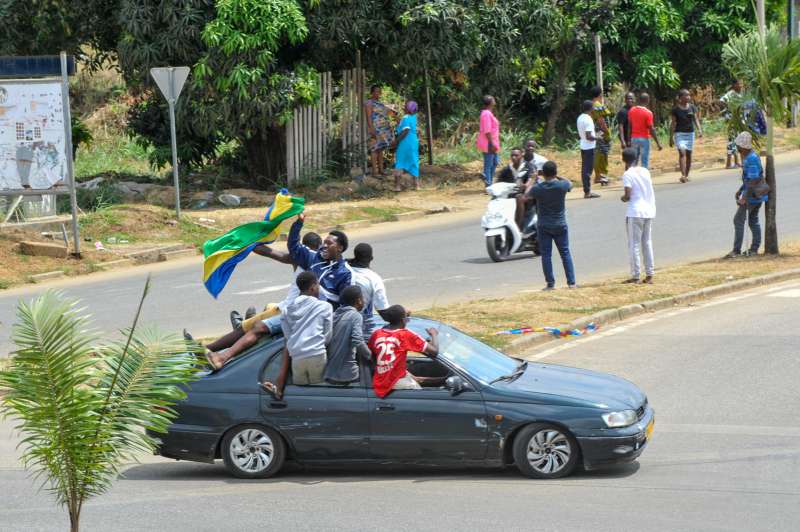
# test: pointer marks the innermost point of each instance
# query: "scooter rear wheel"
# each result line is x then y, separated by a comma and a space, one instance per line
498, 251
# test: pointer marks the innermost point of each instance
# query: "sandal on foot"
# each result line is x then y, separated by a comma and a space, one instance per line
211, 363
270, 389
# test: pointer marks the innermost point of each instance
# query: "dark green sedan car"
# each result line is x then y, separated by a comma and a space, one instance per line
478, 407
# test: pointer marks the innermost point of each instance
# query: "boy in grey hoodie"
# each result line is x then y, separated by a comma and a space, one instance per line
348, 338
307, 323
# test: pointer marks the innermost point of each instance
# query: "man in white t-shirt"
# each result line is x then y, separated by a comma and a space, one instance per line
641, 200
586, 132
372, 288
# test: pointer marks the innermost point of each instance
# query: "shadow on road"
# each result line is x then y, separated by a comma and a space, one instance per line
294, 473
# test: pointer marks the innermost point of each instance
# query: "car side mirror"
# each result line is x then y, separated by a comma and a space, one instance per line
456, 385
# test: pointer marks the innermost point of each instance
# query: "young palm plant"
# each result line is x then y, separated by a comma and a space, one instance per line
770, 67
83, 405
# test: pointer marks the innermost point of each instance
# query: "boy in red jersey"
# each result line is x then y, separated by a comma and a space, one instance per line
390, 346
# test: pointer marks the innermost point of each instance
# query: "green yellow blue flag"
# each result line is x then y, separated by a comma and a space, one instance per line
224, 253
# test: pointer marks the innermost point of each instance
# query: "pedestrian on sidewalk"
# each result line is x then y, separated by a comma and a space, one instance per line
489, 139
749, 198
407, 147
552, 225
586, 131
379, 126
685, 122
622, 121
601, 115
641, 212
728, 100
641, 121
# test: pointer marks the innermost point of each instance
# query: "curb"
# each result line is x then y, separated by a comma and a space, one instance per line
36, 278
607, 317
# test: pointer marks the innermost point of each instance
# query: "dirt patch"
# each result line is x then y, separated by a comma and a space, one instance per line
484, 318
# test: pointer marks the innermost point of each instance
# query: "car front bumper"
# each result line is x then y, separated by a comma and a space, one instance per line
611, 450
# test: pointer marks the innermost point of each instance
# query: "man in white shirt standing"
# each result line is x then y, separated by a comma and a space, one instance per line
588, 142
641, 200
372, 288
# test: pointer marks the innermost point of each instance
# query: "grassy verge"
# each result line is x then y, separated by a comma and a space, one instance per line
484, 318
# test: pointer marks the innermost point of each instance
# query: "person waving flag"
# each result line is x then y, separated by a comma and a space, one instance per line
221, 255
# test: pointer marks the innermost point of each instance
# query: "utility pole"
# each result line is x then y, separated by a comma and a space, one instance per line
761, 17
598, 60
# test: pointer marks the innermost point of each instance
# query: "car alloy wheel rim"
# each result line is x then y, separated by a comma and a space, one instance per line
549, 451
251, 450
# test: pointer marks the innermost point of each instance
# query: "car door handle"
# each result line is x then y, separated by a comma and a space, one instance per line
384, 407
277, 404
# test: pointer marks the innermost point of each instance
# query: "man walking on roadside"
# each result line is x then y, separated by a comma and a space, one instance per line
586, 131
640, 119
552, 224
641, 200
622, 121
749, 198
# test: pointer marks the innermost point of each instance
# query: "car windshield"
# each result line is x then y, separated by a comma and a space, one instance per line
477, 359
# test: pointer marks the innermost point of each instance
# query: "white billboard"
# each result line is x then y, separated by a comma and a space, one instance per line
32, 145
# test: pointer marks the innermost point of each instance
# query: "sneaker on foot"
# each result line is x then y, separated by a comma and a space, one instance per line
648, 280
236, 319
732, 255
572, 286
548, 288
591, 195
188, 337
632, 280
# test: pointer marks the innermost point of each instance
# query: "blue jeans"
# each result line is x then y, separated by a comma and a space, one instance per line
490, 162
749, 212
561, 237
643, 145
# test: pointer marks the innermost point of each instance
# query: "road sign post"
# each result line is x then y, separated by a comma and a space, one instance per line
170, 80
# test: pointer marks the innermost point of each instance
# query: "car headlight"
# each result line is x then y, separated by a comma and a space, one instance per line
620, 419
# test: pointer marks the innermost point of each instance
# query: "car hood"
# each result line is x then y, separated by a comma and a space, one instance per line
575, 385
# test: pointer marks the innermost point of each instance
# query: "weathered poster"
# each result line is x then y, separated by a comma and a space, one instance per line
32, 147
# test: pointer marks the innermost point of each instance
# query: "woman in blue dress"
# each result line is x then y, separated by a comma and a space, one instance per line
407, 155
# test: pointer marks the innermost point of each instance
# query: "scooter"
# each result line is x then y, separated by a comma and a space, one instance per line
503, 237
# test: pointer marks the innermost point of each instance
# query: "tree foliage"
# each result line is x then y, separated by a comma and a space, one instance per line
82, 406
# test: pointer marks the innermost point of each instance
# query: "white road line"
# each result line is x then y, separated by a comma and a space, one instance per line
636, 322
795, 292
393, 279
264, 290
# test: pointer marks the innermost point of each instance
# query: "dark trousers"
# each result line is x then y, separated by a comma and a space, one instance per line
587, 167
559, 235
750, 213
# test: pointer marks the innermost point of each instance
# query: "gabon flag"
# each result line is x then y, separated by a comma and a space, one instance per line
221, 255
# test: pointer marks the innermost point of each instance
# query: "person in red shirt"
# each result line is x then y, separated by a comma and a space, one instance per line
390, 346
640, 119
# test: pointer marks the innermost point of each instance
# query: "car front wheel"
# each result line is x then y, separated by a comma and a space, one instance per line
545, 451
253, 451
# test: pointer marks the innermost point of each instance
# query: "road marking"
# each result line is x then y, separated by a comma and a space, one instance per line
638, 321
795, 292
392, 279
264, 290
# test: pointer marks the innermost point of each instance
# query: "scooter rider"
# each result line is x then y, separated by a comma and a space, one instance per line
517, 172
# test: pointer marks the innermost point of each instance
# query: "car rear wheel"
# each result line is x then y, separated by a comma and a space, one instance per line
545, 451
253, 451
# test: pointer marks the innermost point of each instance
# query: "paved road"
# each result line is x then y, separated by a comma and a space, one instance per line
721, 376
441, 260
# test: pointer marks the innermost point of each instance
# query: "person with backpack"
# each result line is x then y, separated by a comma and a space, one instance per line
749, 197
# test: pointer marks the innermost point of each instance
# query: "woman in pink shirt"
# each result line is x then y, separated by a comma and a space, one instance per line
489, 139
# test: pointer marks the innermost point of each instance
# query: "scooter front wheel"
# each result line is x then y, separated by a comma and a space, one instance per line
499, 250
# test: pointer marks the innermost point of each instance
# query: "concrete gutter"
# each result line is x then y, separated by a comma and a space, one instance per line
608, 317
